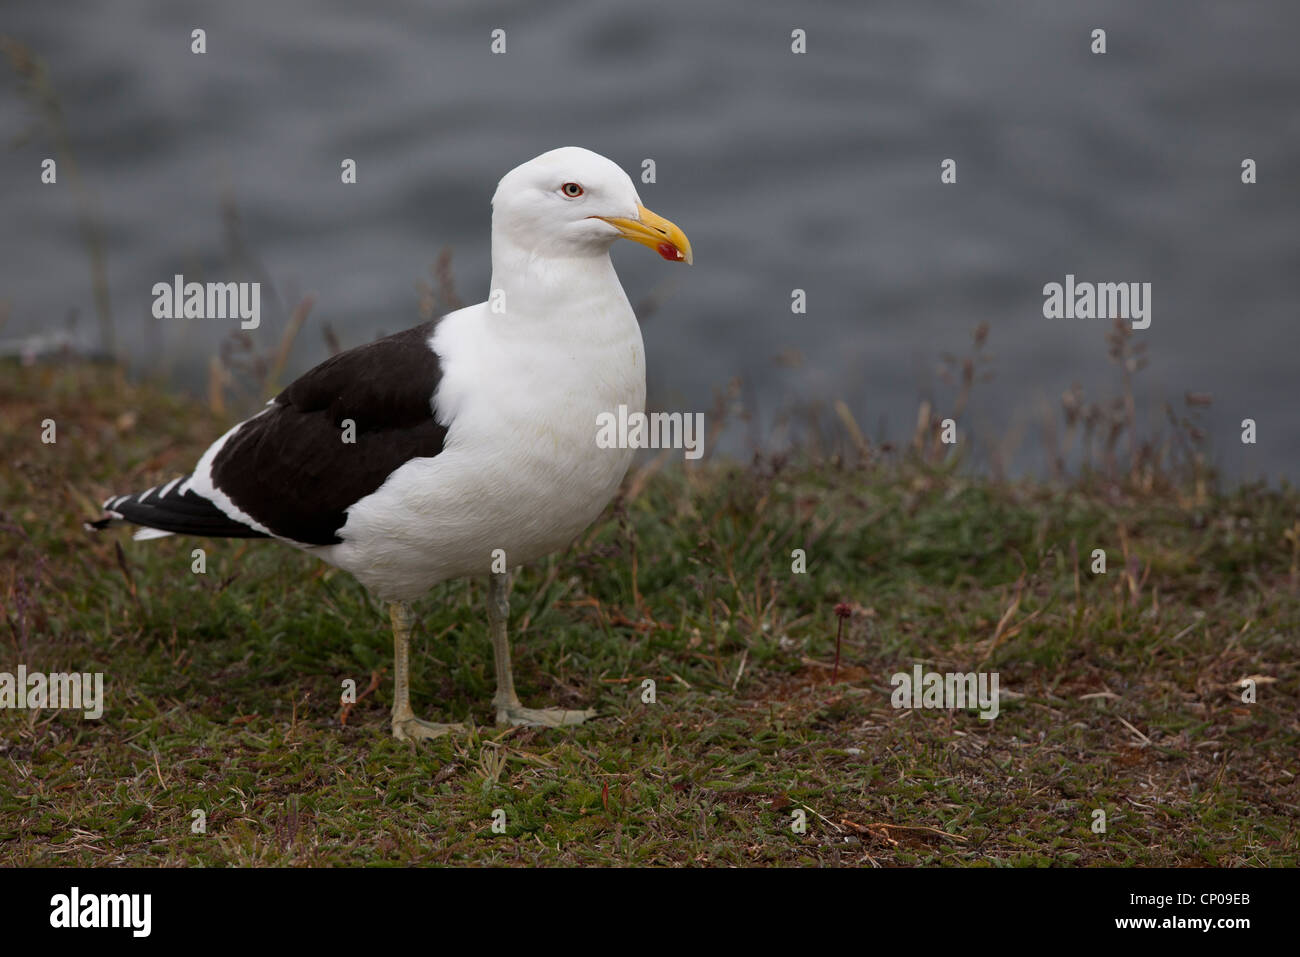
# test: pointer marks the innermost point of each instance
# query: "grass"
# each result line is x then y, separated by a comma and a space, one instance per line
1120, 690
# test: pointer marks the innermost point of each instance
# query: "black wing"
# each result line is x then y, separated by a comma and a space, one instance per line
290, 469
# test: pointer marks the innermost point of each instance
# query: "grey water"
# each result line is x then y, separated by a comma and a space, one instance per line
817, 171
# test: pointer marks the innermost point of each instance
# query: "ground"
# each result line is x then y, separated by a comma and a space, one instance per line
1121, 691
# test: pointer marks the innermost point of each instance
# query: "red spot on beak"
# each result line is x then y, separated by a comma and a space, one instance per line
669, 252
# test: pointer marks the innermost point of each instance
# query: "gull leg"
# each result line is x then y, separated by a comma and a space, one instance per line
506, 702
406, 726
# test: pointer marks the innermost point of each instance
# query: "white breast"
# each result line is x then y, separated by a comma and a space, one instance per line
521, 470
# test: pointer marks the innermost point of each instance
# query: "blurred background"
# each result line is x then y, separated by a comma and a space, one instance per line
817, 171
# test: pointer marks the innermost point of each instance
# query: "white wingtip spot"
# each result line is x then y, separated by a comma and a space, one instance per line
145, 534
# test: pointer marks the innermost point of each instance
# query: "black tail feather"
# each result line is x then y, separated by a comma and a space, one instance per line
185, 513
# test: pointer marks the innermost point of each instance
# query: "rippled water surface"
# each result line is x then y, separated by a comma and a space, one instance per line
818, 171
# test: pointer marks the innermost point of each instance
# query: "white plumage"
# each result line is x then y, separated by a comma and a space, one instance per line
521, 470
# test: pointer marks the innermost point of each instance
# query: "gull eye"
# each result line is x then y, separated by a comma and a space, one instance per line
571, 190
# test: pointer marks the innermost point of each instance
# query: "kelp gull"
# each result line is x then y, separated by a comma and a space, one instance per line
472, 433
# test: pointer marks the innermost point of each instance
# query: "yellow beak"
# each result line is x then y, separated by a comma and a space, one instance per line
651, 229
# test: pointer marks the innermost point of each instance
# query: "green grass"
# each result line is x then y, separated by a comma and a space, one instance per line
222, 689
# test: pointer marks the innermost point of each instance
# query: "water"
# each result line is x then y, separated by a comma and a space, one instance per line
818, 171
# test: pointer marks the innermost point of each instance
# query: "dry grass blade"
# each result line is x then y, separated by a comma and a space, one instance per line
881, 830
1141, 737
126, 573
375, 678
296, 320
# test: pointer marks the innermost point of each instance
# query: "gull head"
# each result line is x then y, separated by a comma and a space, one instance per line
573, 203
